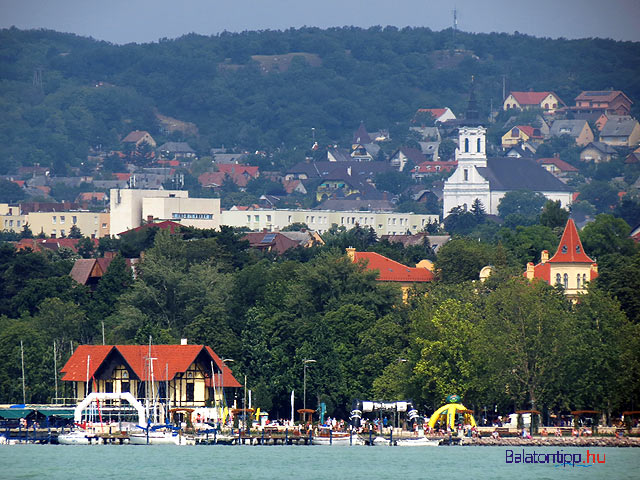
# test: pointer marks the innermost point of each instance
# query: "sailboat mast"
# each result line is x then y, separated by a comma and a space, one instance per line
55, 368
24, 396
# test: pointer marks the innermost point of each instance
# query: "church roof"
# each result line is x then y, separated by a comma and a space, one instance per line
508, 173
570, 249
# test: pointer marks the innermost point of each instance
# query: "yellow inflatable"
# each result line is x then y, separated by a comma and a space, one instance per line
447, 415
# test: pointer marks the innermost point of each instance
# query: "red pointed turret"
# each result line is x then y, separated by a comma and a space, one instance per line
570, 249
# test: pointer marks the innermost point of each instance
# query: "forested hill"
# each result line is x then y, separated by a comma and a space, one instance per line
61, 94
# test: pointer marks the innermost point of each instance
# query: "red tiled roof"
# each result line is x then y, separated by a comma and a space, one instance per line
600, 95
233, 169
570, 249
392, 271
170, 360
429, 166
529, 131
20, 183
212, 179
88, 196
561, 164
529, 98
435, 112
122, 176
167, 224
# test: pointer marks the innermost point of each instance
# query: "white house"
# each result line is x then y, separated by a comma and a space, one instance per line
489, 179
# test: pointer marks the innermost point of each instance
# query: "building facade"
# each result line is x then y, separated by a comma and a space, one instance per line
489, 179
383, 223
570, 267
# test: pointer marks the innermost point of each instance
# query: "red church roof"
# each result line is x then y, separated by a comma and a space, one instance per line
392, 271
570, 249
170, 360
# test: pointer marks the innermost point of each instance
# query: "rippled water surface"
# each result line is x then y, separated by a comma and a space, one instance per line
301, 462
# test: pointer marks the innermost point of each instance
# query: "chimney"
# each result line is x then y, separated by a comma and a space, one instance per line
544, 256
183, 341
352, 253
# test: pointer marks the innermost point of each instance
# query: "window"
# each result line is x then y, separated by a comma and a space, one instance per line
11, 223
256, 218
466, 144
104, 225
578, 281
53, 219
479, 146
248, 218
124, 386
584, 279
564, 249
268, 218
62, 233
577, 248
18, 223
558, 279
74, 219
566, 280
466, 175
61, 219
190, 392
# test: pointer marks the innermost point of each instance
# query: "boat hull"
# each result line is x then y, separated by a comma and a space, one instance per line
162, 438
339, 439
417, 442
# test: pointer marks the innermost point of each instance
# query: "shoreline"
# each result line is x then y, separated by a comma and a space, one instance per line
594, 441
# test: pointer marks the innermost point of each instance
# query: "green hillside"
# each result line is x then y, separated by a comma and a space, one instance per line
61, 94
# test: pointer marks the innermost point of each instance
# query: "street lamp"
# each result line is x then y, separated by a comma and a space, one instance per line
304, 388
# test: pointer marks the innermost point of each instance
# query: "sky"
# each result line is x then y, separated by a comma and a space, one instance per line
142, 21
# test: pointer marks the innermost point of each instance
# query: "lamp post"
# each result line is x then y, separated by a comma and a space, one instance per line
304, 383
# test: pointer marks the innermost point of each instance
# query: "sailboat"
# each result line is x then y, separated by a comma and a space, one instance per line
154, 433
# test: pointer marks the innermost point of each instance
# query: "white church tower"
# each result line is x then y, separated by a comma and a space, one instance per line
467, 183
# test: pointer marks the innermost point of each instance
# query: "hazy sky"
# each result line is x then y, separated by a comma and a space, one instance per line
124, 21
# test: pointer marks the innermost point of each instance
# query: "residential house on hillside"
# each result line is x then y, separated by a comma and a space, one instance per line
220, 157
429, 168
177, 150
137, 137
603, 101
89, 271
280, 242
597, 152
184, 376
489, 179
52, 244
343, 183
521, 134
360, 170
570, 267
401, 156
436, 115
547, 101
579, 130
633, 157
557, 167
391, 271
241, 175
523, 150
621, 131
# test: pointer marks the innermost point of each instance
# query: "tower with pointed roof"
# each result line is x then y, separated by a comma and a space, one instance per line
570, 267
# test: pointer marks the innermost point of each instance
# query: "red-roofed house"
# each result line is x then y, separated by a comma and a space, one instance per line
428, 168
522, 134
139, 136
606, 101
240, 174
392, 271
570, 267
438, 115
184, 376
212, 179
557, 167
547, 101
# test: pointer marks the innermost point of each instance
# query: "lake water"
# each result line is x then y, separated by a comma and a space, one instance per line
302, 462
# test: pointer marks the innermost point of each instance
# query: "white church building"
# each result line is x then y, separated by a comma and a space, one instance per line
489, 179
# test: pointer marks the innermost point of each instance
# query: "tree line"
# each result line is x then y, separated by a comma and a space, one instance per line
502, 344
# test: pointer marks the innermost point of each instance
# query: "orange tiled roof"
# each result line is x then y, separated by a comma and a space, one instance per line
392, 271
170, 360
570, 249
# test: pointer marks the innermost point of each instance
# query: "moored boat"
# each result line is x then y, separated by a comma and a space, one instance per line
328, 437
417, 442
